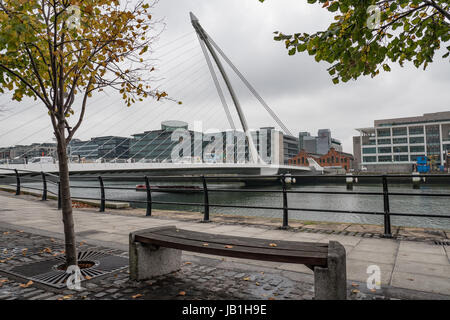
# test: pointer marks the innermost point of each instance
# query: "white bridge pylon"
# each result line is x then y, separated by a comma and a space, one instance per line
206, 42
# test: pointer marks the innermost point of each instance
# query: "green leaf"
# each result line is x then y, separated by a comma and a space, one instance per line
334, 6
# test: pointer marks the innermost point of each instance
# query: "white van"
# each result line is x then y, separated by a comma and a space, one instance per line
42, 160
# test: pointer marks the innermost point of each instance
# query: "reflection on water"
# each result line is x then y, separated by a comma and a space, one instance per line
371, 203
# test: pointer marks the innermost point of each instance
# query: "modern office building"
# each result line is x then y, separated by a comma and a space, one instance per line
393, 145
105, 148
83, 149
111, 147
290, 147
157, 145
320, 144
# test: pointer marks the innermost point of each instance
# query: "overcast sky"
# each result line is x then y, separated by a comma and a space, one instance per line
296, 87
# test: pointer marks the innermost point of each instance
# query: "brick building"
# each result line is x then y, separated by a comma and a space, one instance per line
332, 159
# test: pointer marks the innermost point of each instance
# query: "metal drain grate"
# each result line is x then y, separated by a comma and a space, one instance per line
46, 272
442, 243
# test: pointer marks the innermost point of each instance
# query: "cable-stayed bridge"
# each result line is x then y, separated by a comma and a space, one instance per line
185, 76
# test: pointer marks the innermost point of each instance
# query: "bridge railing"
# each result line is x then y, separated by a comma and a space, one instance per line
204, 183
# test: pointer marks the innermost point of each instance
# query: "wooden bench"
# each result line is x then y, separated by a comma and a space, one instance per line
157, 251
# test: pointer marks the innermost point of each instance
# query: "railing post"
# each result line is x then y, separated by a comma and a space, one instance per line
206, 200
17, 182
149, 197
102, 194
387, 217
59, 196
285, 204
44, 185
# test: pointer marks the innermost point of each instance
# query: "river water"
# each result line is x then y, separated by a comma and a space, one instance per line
398, 204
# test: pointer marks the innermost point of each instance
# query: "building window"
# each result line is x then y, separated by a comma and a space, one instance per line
384, 150
384, 141
416, 140
383, 132
399, 131
369, 150
415, 130
400, 140
401, 158
385, 159
416, 148
399, 149
369, 159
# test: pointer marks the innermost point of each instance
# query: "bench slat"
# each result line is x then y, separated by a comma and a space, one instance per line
313, 258
244, 241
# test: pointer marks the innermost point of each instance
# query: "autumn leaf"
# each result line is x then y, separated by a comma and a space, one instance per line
24, 251
26, 285
88, 277
182, 293
47, 250
205, 244
188, 262
246, 279
137, 296
228, 246
272, 244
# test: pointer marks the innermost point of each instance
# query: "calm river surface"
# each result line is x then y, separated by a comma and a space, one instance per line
398, 204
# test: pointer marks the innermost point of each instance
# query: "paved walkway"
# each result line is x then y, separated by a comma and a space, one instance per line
413, 266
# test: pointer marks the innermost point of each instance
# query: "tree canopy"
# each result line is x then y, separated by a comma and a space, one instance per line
367, 35
54, 50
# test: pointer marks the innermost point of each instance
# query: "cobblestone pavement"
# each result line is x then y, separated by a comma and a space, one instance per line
199, 278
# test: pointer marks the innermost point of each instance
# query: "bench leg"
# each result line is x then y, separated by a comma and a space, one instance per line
147, 261
330, 283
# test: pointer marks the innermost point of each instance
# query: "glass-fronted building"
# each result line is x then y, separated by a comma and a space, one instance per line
157, 145
402, 140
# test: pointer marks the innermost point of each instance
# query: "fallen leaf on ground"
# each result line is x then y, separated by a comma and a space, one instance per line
47, 250
182, 293
67, 297
88, 277
228, 246
26, 285
205, 244
24, 251
188, 263
246, 279
137, 296
272, 244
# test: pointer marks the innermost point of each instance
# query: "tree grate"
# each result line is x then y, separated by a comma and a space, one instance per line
46, 272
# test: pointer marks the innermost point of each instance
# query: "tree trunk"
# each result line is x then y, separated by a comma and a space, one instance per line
66, 202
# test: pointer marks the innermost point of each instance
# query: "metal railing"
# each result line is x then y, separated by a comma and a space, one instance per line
204, 180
